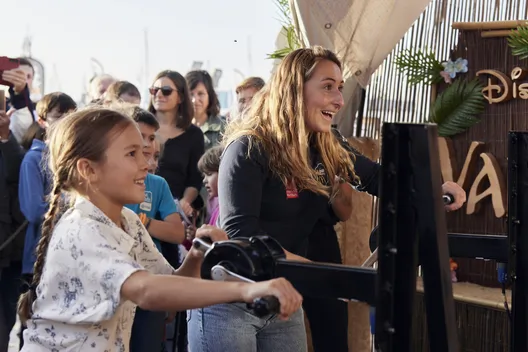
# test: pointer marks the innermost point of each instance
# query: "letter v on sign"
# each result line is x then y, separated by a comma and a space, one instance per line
446, 150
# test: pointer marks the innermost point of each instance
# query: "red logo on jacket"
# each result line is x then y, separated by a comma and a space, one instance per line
291, 190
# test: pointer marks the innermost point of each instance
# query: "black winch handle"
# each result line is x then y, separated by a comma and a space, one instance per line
448, 199
264, 306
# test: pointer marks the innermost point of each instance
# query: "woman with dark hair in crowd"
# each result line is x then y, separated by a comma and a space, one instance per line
170, 102
206, 107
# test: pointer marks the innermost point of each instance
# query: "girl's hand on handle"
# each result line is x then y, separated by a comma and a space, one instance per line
207, 232
290, 300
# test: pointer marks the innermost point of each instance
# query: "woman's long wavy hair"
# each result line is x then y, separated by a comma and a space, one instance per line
276, 123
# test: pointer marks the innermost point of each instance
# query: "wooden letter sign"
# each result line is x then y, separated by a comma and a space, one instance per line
490, 175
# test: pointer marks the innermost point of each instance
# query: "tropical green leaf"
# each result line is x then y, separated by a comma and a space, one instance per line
288, 29
457, 108
419, 67
284, 8
518, 42
292, 44
280, 53
291, 36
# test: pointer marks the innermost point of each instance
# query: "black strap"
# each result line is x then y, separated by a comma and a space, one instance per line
14, 235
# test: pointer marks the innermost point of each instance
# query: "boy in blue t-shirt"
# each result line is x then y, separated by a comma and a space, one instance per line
158, 210
160, 216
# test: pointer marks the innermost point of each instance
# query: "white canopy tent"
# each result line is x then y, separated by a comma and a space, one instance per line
361, 32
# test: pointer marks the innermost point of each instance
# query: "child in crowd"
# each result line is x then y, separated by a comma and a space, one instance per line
157, 211
208, 165
153, 166
34, 180
97, 261
122, 91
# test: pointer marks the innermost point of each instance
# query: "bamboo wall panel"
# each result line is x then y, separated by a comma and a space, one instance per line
390, 99
480, 329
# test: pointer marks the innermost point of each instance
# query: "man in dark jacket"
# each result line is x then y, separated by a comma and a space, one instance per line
11, 218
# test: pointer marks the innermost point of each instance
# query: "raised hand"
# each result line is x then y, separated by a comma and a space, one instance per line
17, 77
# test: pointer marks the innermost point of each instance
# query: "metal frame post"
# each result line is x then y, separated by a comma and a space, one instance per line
433, 243
518, 237
411, 217
397, 250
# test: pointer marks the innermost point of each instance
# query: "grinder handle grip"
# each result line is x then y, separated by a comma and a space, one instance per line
203, 244
448, 199
264, 306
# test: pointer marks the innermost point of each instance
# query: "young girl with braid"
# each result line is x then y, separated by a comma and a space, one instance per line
96, 262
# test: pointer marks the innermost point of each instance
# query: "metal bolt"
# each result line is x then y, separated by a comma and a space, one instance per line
392, 169
328, 25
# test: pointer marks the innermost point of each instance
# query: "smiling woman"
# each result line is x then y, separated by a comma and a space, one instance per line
277, 177
206, 107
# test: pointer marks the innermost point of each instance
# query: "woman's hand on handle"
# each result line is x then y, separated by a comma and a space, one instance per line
458, 194
341, 198
290, 300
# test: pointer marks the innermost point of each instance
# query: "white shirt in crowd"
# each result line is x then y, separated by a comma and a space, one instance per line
19, 123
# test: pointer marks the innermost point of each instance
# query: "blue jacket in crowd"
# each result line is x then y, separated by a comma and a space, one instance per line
33, 189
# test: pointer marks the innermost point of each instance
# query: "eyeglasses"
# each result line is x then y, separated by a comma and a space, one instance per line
165, 90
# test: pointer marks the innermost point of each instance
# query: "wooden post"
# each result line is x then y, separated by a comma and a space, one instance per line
354, 241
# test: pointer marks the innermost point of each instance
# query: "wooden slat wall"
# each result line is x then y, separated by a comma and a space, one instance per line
480, 329
389, 98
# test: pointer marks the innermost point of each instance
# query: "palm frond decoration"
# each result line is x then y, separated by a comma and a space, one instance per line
284, 9
419, 67
288, 29
518, 42
457, 108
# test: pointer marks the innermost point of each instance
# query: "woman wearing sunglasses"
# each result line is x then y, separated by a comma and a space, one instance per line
183, 142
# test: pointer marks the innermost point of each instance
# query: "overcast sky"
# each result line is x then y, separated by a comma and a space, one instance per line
67, 33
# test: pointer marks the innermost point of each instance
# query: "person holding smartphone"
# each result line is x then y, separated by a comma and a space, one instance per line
11, 155
21, 112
